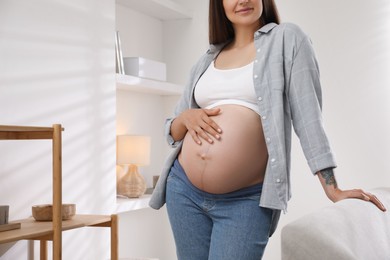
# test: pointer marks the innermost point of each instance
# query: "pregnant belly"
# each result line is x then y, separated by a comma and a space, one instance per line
235, 161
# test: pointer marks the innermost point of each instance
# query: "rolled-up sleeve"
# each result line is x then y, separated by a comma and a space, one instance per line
167, 133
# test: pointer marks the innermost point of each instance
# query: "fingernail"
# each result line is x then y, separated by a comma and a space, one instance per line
217, 136
219, 130
210, 141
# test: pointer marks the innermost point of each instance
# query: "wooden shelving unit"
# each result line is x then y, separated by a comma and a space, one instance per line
52, 231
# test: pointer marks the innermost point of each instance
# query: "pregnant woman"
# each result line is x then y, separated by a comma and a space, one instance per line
228, 178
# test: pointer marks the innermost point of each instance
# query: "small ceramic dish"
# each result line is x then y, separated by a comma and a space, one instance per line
44, 212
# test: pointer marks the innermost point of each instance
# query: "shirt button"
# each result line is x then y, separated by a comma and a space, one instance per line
255, 76
264, 117
278, 180
273, 160
268, 139
260, 98
258, 50
256, 61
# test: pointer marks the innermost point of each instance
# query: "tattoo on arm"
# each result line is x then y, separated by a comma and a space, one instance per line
329, 177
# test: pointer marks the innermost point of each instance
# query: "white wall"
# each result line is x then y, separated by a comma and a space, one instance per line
351, 39
141, 35
185, 41
57, 66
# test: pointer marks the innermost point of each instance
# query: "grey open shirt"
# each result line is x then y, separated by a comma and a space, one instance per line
288, 90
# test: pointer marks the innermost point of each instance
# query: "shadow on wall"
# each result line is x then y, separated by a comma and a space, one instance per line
5, 247
60, 69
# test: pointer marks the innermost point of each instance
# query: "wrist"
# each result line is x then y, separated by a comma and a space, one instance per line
333, 193
329, 184
178, 129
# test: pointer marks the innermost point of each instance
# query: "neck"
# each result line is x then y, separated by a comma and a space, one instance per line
243, 35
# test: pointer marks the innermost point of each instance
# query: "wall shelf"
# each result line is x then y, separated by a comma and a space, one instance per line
148, 86
126, 205
160, 9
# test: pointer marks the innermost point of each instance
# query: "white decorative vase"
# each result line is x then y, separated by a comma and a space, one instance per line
132, 184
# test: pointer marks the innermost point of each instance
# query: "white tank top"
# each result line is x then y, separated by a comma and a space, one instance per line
231, 86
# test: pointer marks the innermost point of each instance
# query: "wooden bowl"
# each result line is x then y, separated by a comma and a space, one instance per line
44, 212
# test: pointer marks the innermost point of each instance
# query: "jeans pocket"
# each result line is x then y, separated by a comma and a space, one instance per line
170, 177
170, 180
175, 184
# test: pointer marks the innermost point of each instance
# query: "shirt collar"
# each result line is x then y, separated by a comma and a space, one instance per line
215, 48
266, 28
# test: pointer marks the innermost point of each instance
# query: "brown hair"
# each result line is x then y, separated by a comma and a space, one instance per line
221, 29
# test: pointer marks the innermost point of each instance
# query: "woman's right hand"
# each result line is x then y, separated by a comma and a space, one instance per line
199, 124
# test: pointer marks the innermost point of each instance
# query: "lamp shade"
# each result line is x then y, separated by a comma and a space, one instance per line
133, 149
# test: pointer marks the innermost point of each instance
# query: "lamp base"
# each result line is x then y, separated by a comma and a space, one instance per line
132, 184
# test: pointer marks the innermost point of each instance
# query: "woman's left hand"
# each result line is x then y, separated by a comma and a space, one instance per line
328, 182
337, 195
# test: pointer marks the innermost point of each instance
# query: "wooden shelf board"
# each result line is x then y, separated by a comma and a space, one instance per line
9, 226
31, 229
148, 86
8, 132
13, 128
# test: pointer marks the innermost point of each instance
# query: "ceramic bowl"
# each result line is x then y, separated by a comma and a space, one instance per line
44, 212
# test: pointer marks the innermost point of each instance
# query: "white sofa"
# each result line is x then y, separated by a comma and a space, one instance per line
347, 230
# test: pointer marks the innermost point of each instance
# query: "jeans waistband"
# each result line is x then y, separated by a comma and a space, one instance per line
178, 171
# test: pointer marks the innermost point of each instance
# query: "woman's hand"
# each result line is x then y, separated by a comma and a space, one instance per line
199, 124
337, 195
329, 184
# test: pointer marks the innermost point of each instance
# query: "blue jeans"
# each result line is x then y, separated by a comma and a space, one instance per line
206, 226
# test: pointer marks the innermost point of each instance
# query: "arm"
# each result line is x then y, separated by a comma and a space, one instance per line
329, 184
196, 121
304, 94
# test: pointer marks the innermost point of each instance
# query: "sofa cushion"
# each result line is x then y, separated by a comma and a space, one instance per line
348, 230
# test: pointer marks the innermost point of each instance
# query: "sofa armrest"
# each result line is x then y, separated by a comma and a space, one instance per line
348, 230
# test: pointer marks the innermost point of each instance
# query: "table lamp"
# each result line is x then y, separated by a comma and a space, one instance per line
132, 151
